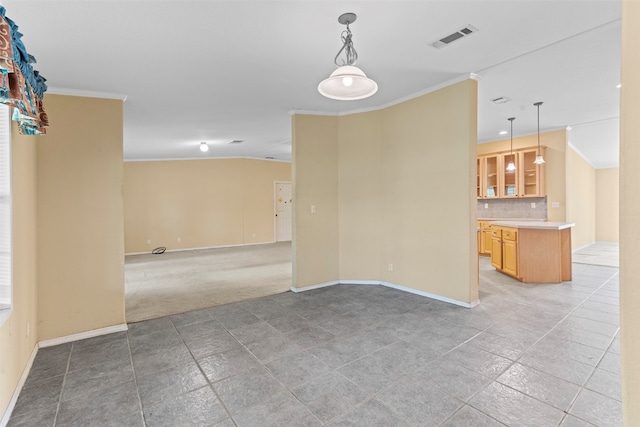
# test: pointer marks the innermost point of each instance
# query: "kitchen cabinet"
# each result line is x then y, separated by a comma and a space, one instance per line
510, 251
489, 176
494, 181
496, 248
484, 237
531, 175
532, 251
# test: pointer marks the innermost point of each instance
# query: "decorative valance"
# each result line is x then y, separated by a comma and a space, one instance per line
21, 86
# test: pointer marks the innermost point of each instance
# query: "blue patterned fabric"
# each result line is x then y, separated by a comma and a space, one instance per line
21, 86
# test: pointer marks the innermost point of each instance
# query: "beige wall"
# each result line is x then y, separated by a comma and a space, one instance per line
360, 196
80, 253
630, 213
384, 177
213, 202
315, 183
15, 346
607, 205
581, 199
555, 176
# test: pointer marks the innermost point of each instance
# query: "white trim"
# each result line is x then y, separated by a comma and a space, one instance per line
203, 248
360, 282
460, 78
389, 285
83, 335
173, 159
579, 153
86, 93
432, 296
25, 374
311, 287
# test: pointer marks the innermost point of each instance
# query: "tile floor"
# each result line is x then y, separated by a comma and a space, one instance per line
529, 355
599, 253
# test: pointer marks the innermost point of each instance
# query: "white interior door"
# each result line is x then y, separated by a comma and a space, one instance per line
283, 211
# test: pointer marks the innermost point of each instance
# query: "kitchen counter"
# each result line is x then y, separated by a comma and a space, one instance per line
542, 225
532, 251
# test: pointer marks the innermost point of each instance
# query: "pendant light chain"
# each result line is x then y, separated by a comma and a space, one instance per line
512, 165
539, 159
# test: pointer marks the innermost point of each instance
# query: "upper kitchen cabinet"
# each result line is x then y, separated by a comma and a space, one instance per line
531, 175
489, 176
510, 178
495, 181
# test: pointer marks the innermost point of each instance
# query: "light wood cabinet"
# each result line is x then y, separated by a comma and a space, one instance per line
493, 180
510, 252
484, 238
531, 175
489, 176
504, 250
496, 248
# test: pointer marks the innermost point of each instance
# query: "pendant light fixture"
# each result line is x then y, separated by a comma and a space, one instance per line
511, 166
539, 159
204, 147
347, 82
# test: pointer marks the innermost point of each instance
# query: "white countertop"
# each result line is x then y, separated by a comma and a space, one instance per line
544, 225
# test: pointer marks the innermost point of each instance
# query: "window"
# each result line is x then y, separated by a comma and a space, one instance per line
6, 280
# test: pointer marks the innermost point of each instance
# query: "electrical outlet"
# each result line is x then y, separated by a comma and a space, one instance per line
148, 241
313, 209
390, 267
179, 239
533, 205
555, 204
253, 235
486, 205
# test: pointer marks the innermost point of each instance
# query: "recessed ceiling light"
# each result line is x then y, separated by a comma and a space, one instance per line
569, 128
503, 132
204, 147
619, 85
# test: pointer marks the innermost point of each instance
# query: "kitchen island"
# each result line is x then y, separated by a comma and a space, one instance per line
532, 251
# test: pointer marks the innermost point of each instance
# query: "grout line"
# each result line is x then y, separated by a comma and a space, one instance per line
64, 382
135, 380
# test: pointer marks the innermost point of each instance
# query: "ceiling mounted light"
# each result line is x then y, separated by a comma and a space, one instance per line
204, 147
539, 159
503, 132
347, 82
511, 166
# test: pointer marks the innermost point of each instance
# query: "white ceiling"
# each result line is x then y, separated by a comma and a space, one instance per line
217, 71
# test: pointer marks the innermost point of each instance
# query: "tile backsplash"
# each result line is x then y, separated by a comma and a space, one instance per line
513, 208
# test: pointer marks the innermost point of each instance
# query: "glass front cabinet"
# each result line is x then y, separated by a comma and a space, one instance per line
489, 176
531, 175
493, 180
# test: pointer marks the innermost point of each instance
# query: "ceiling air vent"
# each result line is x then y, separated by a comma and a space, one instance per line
501, 100
456, 35
237, 141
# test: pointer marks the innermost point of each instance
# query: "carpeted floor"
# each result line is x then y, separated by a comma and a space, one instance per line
599, 253
176, 282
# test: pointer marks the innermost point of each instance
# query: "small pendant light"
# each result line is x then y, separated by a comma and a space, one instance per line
511, 166
539, 159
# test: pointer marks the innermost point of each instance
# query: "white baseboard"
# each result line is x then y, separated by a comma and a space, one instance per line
311, 287
12, 403
204, 247
582, 247
360, 282
430, 295
83, 335
389, 285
